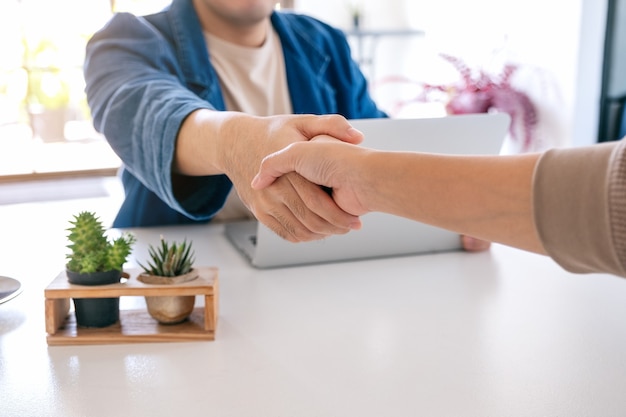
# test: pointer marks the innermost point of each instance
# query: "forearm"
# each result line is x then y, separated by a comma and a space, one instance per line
198, 147
487, 197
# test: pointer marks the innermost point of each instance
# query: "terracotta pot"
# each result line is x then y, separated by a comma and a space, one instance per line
96, 312
169, 309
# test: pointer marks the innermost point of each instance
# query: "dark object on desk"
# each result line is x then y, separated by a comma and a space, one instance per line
9, 289
96, 312
612, 115
95, 260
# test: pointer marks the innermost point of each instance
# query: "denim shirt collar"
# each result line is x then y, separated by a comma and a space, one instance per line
305, 64
298, 46
192, 52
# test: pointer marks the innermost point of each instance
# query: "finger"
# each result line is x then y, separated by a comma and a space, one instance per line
302, 222
316, 210
281, 210
333, 125
282, 222
276, 227
471, 244
274, 166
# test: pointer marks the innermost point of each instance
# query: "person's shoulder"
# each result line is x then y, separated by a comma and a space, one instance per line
124, 24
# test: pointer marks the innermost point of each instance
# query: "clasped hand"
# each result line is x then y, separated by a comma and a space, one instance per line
293, 207
341, 166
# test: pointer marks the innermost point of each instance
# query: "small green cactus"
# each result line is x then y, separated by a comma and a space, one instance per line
91, 251
170, 260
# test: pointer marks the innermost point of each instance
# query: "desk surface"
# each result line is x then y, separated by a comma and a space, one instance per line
502, 333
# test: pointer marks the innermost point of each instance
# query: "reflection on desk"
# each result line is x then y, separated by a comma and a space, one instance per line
500, 333
9, 288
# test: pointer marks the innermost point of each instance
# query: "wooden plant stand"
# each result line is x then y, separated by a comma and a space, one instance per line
134, 326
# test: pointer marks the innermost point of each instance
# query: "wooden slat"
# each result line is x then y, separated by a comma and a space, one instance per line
134, 326
56, 313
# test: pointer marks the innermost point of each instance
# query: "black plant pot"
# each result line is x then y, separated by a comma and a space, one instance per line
96, 312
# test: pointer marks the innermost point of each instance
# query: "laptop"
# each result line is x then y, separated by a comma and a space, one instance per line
382, 235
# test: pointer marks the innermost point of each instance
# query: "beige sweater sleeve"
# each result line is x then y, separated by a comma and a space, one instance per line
579, 205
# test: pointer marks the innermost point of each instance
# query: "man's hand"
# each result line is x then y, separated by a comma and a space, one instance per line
293, 207
325, 161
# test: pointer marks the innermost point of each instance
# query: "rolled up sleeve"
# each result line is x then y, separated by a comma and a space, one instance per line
579, 207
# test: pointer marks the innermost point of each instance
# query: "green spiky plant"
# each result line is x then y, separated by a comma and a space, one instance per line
169, 259
91, 251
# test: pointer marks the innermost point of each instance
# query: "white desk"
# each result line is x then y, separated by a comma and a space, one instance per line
502, 333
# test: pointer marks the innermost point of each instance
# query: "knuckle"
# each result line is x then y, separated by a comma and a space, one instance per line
278, 228
287, 226
283, 234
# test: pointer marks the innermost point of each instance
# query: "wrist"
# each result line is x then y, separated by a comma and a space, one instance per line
370, 175
229, 130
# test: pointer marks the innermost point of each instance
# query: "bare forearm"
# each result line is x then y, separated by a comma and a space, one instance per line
234, 144
485, 197
199, 146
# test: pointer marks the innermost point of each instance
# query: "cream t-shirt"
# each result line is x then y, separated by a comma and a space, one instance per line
253, 81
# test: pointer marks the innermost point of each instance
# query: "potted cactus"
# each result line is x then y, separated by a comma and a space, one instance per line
95, 260
170, 263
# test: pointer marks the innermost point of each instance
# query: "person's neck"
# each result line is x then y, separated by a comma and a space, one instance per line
250, 35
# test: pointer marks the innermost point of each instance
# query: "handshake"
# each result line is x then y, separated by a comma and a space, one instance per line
358, 180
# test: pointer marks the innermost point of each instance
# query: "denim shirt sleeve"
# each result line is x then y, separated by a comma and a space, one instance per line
145, 75
138, 101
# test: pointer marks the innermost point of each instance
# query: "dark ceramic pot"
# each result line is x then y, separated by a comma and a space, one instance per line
96, 312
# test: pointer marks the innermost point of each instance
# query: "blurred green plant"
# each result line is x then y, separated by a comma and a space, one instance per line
48, 86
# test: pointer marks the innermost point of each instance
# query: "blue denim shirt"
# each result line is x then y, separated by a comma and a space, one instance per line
145, 75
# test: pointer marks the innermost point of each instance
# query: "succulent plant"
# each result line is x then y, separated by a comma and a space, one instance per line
169, 259
91, 251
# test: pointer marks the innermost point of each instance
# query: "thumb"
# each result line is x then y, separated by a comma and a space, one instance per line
332, 125
275, 165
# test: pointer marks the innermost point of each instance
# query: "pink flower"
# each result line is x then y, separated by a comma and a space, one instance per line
482, 92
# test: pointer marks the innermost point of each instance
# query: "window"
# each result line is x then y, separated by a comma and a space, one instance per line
45, 123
